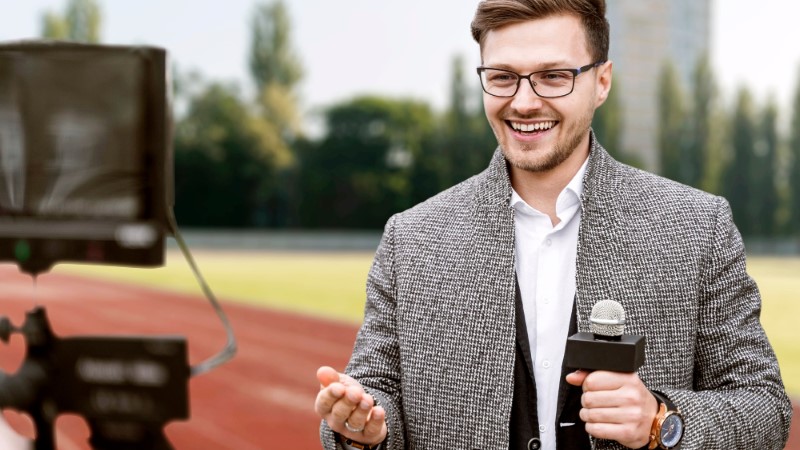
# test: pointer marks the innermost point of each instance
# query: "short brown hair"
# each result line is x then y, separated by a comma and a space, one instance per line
493, 14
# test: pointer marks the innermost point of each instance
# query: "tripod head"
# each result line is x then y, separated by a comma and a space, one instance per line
127, 388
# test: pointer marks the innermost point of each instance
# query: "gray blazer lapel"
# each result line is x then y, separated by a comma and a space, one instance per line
600, 232
492, 243
493, 231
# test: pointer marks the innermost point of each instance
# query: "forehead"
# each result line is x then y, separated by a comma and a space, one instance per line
546, 41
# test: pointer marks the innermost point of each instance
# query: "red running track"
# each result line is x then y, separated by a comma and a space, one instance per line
262, 399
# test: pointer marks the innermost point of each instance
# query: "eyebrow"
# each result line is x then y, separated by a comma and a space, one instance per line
542, 66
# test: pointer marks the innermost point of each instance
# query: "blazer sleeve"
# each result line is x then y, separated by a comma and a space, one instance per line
375, 362
738, 399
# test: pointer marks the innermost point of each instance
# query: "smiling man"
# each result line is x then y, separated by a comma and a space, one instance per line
473, 293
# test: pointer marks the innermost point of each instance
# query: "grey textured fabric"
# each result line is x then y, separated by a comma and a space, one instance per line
437, 344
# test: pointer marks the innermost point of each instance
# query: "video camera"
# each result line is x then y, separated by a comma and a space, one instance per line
86, 176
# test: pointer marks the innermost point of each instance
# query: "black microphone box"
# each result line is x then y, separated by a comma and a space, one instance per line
585, 352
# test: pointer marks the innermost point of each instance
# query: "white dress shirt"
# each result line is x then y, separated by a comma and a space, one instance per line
545, 266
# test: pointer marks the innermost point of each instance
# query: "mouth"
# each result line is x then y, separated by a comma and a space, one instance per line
532, 129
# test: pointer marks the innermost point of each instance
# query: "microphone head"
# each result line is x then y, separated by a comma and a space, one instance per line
608, 319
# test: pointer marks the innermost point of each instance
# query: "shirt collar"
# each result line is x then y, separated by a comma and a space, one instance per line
568, 197
575, 187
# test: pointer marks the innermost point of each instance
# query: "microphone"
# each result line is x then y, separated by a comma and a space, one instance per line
605, 347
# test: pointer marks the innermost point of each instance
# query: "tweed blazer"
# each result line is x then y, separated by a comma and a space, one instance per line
436, 348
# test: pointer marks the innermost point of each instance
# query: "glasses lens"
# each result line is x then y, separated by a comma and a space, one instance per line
499, 82
553, 83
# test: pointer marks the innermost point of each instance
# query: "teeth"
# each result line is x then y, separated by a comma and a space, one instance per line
528, 127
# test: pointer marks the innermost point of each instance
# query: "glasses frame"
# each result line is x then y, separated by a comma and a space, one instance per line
520, 77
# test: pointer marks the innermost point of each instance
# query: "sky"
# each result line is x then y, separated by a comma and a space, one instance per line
351, 47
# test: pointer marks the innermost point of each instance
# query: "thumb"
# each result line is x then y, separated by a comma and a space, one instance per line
576, 378
327, 375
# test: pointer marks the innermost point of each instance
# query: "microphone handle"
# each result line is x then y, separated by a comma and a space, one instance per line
585, 352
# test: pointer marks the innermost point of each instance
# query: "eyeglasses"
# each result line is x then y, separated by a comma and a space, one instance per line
545, 83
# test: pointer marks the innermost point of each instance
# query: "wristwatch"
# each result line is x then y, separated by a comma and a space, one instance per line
668, 427
359, 445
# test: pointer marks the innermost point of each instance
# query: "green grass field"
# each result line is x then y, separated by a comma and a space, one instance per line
331, 285
324, 284
779, 282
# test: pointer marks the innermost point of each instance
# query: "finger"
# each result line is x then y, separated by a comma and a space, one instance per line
327, 397
347, 380
358, 417
327, 375
610, 399
576, 378
375, 428
355, 393
631, 416
342, 409
603, 380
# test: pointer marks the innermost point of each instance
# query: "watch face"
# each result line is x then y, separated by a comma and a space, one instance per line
671, 430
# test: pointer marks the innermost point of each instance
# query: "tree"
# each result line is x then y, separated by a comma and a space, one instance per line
466, 143
224, 177
441, 164
80, 22
275, 72
607, 124
360, 173
459, 93
275, 69
737, 182
271, 57
794, 163
54, 26
672, 124
695, 163
763, 187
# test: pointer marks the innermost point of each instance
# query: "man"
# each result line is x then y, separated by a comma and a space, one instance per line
473, 293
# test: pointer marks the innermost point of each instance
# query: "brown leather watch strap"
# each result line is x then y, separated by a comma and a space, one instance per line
359, 445
655, 429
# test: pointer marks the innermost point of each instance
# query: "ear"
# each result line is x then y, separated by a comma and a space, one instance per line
603, 79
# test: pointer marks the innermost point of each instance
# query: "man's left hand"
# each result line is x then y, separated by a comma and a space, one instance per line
616, 406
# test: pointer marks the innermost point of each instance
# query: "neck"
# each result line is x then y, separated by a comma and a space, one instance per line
541, 189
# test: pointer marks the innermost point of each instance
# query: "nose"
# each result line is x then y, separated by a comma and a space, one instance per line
525, 99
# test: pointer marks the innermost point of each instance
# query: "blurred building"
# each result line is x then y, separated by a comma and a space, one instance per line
644, 36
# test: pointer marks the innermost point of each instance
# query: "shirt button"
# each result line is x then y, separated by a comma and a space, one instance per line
542, 428
547, 300
546, 365
548, 242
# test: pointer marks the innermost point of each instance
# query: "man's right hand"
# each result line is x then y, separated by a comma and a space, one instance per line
342, 399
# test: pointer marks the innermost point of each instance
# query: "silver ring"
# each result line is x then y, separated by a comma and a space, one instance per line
351, 429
